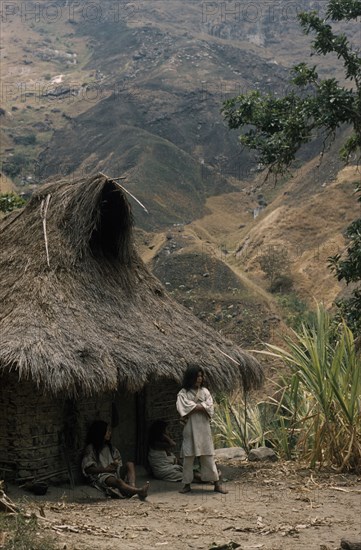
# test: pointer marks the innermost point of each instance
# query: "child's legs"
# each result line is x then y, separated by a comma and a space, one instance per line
208, 468
126, 472
125, 488
130, 475
188, 469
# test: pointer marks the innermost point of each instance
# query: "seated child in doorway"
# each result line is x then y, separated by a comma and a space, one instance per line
102, 465
163, 462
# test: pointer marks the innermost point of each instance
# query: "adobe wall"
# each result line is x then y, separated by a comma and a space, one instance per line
161, 396
124, 432
40, 433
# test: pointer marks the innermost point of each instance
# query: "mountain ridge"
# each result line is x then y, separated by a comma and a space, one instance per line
140, 97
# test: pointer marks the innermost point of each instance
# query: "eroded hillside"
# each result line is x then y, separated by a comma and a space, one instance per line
135, 90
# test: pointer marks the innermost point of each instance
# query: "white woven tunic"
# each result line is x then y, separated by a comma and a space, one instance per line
197, 436
164, 466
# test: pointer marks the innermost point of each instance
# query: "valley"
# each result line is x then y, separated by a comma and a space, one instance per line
136, 90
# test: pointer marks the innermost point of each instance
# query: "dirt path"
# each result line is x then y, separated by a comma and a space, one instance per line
273, 507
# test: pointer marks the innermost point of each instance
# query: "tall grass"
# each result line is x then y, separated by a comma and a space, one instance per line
321, 400
315, 414
237, 423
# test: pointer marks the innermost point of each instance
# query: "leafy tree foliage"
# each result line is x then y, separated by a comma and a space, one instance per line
277, 127
348, 267
275, 264
10, 201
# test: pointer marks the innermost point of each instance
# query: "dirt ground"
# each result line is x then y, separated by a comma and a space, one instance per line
270, 506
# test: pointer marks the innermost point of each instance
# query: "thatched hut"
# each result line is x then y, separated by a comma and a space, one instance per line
87, 331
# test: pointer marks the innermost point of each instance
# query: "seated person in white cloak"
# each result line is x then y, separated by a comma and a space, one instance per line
102, 465
162, 460
195, 406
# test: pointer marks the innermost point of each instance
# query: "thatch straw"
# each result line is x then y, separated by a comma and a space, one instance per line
97, 317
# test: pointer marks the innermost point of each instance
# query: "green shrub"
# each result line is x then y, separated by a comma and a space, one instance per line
10, 201
15, 165
275, 263
29, 139
282, 284
295, 310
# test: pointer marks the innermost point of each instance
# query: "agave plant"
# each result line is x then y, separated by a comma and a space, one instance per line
323, 394
284, 414
237, 423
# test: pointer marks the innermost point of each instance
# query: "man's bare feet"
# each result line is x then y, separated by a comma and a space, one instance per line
143, 491
186, 489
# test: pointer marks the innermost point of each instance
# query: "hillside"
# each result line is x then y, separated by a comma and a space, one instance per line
165, 177
81, 75
6, 185
212, 265
135, 90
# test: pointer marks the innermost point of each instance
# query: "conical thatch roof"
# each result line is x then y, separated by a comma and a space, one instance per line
81, 312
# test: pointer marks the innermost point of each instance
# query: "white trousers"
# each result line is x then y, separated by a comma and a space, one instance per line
208, 469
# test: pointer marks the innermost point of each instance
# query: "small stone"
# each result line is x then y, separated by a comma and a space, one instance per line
262, 454
230, 453
351, 544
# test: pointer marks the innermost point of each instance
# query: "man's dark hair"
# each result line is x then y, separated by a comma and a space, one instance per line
190, 377
156, 431
96, 435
